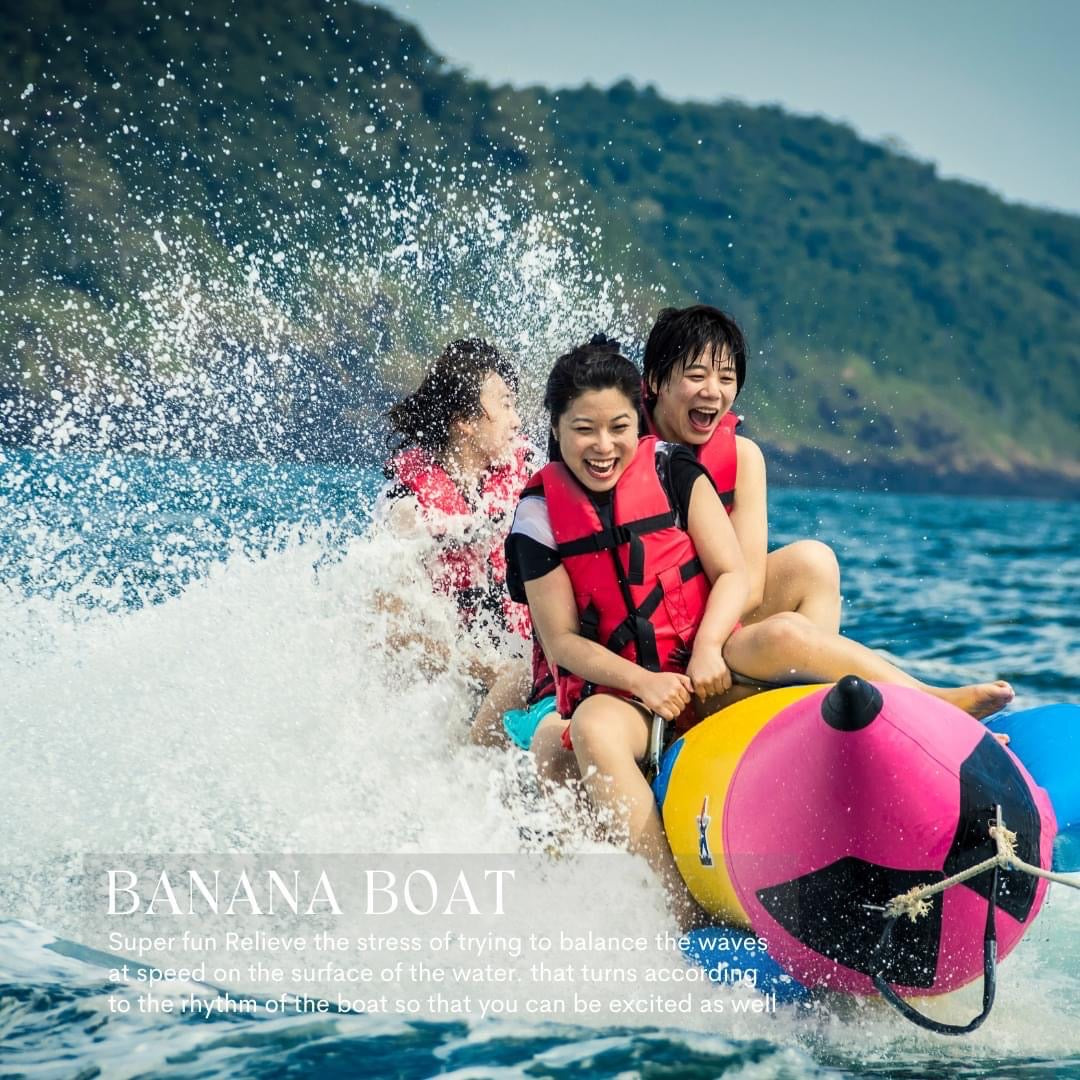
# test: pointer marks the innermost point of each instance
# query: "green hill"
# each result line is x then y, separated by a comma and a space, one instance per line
228, 229
903, 316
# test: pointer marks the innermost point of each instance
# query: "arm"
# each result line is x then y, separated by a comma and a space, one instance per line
404, 519
718, 549
554, 613
749, 518
435, 655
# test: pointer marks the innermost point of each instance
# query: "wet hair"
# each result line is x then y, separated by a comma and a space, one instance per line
680, 335
598, 365
450, 391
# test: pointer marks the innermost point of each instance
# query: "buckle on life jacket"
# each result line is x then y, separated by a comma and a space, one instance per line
589, 623
607, 539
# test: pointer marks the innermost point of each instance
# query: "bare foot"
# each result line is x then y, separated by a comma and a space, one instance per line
979, 700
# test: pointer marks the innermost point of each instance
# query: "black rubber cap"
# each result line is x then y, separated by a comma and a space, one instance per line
851, 704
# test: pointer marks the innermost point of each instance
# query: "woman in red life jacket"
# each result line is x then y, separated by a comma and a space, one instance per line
455, 476
694, 368
634, 579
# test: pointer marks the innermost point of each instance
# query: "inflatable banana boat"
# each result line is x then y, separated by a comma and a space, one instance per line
803, 813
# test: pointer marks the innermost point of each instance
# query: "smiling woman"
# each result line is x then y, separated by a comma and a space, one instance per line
695, 367
634, 579
597, 436
452, 481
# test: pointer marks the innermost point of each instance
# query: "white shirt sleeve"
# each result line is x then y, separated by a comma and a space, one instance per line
531, 520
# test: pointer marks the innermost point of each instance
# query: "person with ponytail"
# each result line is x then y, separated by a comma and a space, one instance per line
634, 579
457, 468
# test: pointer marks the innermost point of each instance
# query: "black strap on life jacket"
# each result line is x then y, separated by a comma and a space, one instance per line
484, 601
644, 635
637, 627
628, 533
589, 623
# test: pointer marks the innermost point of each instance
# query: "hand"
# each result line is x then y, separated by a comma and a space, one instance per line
709, 673
665, 693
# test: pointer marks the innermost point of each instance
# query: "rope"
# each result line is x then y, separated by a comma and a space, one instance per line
915, 902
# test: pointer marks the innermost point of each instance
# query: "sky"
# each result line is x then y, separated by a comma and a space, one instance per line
989, 90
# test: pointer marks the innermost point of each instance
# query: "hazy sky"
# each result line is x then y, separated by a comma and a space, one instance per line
987, 89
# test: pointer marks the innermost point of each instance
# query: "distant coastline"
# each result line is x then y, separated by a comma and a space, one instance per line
230, 263
788, 466
813, 468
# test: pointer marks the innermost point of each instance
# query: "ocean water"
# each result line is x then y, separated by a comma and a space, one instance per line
192, 660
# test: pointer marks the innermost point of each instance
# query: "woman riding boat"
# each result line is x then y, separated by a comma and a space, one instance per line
458, 468
694, 368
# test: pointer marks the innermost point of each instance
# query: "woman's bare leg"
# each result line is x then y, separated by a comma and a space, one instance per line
509, 690
611, 736
802, 577
789, 648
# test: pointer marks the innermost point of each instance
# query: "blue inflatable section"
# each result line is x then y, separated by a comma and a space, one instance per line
735, 958
663, 777
1047, 741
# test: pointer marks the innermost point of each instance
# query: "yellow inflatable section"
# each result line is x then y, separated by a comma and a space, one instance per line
696, 790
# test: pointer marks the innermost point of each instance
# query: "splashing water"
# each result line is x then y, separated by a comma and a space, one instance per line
216, 288
184, 617
192, 647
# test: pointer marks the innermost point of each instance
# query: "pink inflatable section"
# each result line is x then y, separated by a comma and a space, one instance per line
827, 819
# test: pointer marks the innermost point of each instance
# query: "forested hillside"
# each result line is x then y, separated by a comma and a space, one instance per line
219, 198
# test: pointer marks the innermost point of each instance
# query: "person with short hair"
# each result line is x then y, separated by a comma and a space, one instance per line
636, 581
694, 368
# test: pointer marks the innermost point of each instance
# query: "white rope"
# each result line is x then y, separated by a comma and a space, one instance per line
915, 902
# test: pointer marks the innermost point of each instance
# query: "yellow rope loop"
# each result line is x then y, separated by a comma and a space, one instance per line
910, 904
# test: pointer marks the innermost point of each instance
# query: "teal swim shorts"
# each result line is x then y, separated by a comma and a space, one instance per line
521, 724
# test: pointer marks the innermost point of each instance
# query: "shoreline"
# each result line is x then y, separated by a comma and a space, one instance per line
814, 468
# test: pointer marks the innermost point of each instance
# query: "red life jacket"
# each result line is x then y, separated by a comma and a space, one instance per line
638, 585
474, 573
719, 455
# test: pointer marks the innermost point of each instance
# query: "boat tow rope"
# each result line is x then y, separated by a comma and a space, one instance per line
915, 903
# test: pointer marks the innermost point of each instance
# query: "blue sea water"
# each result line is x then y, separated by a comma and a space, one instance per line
189, 661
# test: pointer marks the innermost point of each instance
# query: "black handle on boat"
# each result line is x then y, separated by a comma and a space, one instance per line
989, 976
